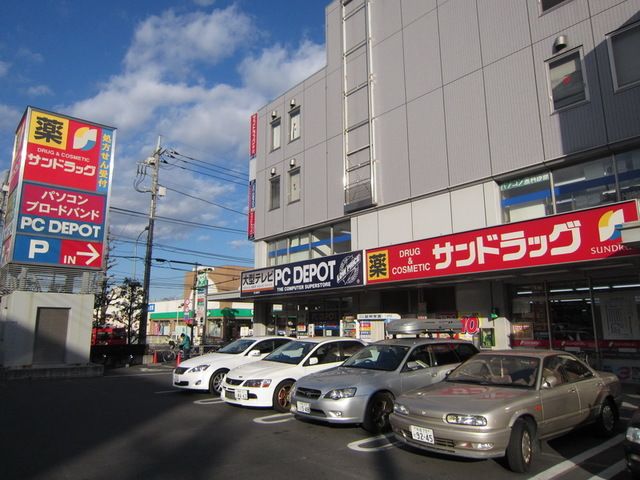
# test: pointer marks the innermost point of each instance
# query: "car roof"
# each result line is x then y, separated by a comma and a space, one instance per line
263, 337
325, 339
524, 352
409, 342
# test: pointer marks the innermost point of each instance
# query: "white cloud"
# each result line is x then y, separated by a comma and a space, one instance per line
4, 68
39, 90
9, 117
277, 69
170, 42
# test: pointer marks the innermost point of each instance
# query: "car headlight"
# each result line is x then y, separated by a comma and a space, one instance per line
473, 420
199, 368
400, 409
339, 393
633, 434
294, 387
258, 383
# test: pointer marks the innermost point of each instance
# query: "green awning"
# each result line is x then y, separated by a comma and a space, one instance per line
212, 313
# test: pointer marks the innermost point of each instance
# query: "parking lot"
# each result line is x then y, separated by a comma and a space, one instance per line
131, 424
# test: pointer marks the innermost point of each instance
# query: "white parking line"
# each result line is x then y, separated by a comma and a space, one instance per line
613, 470
628, 405
277, 418
208, 401
357, 445
572, 462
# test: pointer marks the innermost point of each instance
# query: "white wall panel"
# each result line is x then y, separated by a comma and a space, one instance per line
392, 156
395, 224
367, 228
388, 75
386, 20
414, 9
422, 56
431, 217
459, 38
467, 209
427, 144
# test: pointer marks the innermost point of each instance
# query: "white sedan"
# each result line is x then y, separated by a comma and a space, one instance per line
207, 371
267, 383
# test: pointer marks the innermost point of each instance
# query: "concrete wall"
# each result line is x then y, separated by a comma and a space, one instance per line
18, 317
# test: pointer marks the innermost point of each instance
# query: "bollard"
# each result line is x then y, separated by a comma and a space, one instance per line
178, 358
155, 357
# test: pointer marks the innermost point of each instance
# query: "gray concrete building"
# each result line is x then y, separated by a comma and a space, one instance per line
461, 159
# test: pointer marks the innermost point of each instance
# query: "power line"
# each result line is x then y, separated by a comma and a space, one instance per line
206, 201
209, 175
172, 154
178, 221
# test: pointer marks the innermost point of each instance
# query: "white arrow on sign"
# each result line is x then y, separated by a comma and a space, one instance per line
93, 254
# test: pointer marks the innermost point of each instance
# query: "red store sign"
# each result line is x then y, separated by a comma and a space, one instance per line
578, 236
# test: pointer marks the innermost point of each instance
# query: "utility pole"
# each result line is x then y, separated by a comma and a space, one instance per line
154, 161
195, 299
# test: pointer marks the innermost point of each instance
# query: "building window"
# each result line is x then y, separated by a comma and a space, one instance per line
628, 166
294, 185
549, 4
274, 197
321, 242
299, 247
527, 197
294, 124
586, 185
566, 80
623, 55
275, 134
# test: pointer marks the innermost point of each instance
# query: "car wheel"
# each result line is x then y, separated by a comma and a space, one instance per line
607, 419
215, 382
520, 449
281, 401
376, 417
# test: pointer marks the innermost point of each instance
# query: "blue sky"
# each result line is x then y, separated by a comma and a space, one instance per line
191, 71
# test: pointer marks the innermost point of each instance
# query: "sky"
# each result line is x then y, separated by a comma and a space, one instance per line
189, 72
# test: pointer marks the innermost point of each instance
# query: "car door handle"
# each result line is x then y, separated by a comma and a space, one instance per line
572, 390
434, 374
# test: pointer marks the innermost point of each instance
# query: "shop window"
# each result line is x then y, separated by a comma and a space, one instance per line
299, 247
321, 242
274, 193
275, 133
628, 166
585, 185
526, 198
342, 237
566, 80
277, 252
624, 45
546, 5
294, 124
294, 185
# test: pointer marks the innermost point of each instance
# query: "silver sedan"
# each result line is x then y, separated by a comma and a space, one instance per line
497, 404
363, 388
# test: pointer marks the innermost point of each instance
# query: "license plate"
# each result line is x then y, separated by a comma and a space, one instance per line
422, 434
242, 394
303, 407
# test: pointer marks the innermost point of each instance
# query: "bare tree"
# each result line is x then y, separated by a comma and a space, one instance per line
128, 304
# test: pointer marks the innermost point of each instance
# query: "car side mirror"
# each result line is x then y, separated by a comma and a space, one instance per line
549, 381
313, 361
254, 353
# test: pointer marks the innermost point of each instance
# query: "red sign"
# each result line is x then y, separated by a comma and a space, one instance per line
253, 138
80, 253
49, 201
570, 237
69, 153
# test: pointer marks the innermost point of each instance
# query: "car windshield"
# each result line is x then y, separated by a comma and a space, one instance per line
238, 346
292, 352
378, 357
503, 370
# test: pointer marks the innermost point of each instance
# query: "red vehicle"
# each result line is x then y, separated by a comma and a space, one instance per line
108, 336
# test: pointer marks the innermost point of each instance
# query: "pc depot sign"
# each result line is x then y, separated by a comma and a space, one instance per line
59, 187
338, 271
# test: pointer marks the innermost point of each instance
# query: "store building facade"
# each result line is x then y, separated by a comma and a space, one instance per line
458, 159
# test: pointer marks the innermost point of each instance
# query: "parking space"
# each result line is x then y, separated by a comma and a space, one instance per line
133, 421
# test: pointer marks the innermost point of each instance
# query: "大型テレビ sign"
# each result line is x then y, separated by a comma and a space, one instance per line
578, 236
58, 191
337, 271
